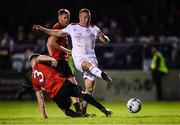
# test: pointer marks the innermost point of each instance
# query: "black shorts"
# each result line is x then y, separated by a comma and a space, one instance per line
62, 98
64, 68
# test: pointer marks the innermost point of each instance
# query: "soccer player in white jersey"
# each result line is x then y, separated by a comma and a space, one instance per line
84, 36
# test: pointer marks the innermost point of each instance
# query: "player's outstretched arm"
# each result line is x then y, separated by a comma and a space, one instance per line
103, 38
52, 32
67, 51
41, 103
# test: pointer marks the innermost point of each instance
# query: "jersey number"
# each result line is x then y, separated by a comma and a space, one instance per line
37, 73
78, 37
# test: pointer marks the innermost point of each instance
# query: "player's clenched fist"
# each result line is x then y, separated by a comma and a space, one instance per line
54, 62
37, 27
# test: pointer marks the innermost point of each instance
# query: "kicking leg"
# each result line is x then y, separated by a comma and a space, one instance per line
86, 65
76, 91
95, 103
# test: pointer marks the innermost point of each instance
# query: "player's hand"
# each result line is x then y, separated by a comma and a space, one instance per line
36, 27
100, 34
68, 53
45, 116
54, 62
103, 38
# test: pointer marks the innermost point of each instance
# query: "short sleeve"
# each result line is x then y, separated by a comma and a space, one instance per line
56, 26
67, 29
97, 30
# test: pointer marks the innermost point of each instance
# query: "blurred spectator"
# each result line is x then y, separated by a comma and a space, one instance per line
6, 45
113, 30
147, 51
19, 44
120, 60
41, 46
152, 40
135, 54
18, 57
7, 42
119, 39
31, 40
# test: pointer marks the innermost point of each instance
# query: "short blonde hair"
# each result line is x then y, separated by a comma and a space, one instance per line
63, 11
85, 10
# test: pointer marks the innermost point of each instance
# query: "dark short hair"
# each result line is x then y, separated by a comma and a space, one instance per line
63, 11
85, 10
32, 56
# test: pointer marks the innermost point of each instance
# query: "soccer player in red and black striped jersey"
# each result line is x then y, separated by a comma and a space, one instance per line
59, 89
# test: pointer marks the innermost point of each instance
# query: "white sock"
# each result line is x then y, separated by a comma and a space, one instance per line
95, 71
84, 103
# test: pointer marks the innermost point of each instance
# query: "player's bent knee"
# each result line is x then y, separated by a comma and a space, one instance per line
89, 90
86, 65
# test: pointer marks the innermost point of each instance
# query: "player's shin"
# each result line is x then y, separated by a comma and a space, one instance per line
85, 103
84, 106
77, 107
95, 103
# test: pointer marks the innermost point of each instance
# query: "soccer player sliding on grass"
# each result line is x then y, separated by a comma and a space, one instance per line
59, 89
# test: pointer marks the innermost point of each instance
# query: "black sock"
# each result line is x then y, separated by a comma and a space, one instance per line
93, 102
77, 107
72, 113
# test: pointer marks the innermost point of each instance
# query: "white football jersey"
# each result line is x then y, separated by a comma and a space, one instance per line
83, 38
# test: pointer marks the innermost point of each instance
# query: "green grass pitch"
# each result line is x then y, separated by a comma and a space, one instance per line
27, 112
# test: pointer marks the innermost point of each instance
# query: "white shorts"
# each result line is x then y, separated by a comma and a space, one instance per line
78, 61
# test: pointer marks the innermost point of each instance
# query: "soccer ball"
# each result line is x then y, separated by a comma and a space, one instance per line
134, 105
